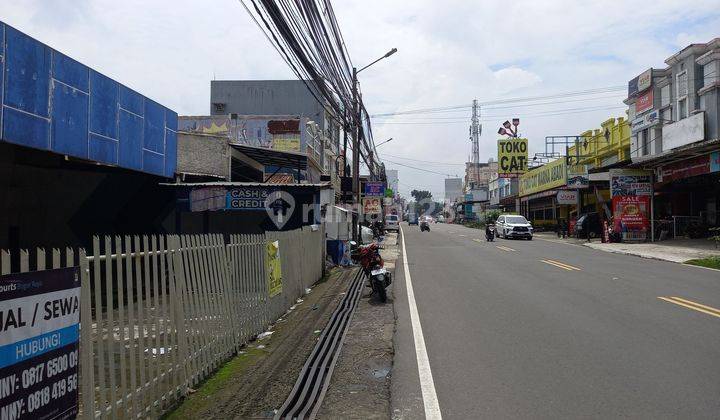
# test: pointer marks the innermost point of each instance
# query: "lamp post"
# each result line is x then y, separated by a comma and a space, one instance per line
357, 118
381, 143
507, 128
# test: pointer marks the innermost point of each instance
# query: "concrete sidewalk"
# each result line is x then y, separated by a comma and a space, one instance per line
675, 250
360, 383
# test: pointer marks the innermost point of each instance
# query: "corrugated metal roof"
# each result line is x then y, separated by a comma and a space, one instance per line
322, 185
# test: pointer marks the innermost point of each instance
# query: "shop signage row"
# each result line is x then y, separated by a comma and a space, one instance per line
512, 157
700, 165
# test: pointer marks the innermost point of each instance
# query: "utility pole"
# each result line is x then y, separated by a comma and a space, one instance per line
356, 157
475, 131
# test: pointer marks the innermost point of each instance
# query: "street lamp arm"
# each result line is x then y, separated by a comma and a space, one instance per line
388, 54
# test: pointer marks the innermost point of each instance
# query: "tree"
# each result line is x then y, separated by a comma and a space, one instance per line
426, 205
420, 195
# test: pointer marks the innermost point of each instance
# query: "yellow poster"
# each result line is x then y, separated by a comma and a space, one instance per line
512, 157
273, 268
286, 142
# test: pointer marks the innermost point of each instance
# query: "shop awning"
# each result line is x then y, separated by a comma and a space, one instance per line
678, 154
270, 157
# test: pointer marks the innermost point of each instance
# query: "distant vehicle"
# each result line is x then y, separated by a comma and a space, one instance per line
513, 226
392, 223
425, 225
412, 218
588, 226
441, 219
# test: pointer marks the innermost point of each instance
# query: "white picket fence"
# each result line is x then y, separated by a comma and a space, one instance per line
165, 311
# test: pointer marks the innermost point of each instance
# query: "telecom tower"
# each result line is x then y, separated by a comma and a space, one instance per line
475, 131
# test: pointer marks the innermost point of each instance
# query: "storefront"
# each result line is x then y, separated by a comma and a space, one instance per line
538, 191
687, 196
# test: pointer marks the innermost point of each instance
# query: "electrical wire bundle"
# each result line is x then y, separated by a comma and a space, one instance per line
307, 36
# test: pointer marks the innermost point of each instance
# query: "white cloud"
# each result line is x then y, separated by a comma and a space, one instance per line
514, 78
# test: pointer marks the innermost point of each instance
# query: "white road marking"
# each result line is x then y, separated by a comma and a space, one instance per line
427, 385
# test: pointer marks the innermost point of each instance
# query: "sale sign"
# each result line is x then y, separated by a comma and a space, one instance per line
631, 216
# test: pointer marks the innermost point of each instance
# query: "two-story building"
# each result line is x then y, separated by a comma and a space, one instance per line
675, 118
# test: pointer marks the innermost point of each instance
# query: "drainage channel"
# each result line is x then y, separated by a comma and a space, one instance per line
307, 394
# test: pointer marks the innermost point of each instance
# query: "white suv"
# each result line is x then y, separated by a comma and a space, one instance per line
513, 226
391, 223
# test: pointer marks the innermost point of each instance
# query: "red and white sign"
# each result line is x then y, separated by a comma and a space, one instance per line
644, 102
567, 197
631, 216
685, 169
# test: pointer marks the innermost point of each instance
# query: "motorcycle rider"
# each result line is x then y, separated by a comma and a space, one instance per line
489, 231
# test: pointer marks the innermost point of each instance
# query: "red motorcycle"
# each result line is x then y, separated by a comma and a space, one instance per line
368, 256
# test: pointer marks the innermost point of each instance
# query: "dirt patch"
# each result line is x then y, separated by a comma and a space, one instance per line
256, 382
360, 385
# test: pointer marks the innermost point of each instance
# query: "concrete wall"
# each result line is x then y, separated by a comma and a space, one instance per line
265, 97
203, 154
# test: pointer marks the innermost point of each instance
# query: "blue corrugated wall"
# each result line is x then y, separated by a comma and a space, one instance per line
50, 101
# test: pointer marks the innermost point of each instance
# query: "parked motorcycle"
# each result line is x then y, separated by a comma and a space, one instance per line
368, 256
424, 226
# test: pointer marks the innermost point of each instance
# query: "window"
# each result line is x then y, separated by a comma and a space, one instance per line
682, 108
709, 75
665, 96
644, 142
682, 92
516, 219
666, 115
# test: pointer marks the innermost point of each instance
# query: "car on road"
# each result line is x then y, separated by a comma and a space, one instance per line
412, 219
588, 225
441, 219
513, 226
392, 223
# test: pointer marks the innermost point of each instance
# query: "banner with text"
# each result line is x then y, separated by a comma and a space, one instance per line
631, 190
546, 177
39, 333
512, 157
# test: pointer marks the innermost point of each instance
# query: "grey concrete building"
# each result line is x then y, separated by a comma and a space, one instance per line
675, 121
273, 97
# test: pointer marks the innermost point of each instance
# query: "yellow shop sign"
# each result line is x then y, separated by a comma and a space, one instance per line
546, 177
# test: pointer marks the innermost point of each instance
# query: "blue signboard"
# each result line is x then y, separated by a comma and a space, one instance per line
51, 102
249, 198
374, 189
715, 162
39, 336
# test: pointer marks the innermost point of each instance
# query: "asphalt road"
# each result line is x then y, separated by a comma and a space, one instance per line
542, 329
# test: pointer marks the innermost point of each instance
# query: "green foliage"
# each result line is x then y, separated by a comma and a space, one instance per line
420, 195
491, 216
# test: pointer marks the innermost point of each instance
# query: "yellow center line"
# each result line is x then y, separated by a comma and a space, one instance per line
462, 235
477, 240
692, 305
556, 265
504, 248
565, 265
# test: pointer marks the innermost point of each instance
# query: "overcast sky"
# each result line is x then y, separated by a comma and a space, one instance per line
450, 52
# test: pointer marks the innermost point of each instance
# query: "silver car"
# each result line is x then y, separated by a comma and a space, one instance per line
513, 226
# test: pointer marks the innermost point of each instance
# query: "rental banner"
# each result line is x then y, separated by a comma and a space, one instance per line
39, 334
